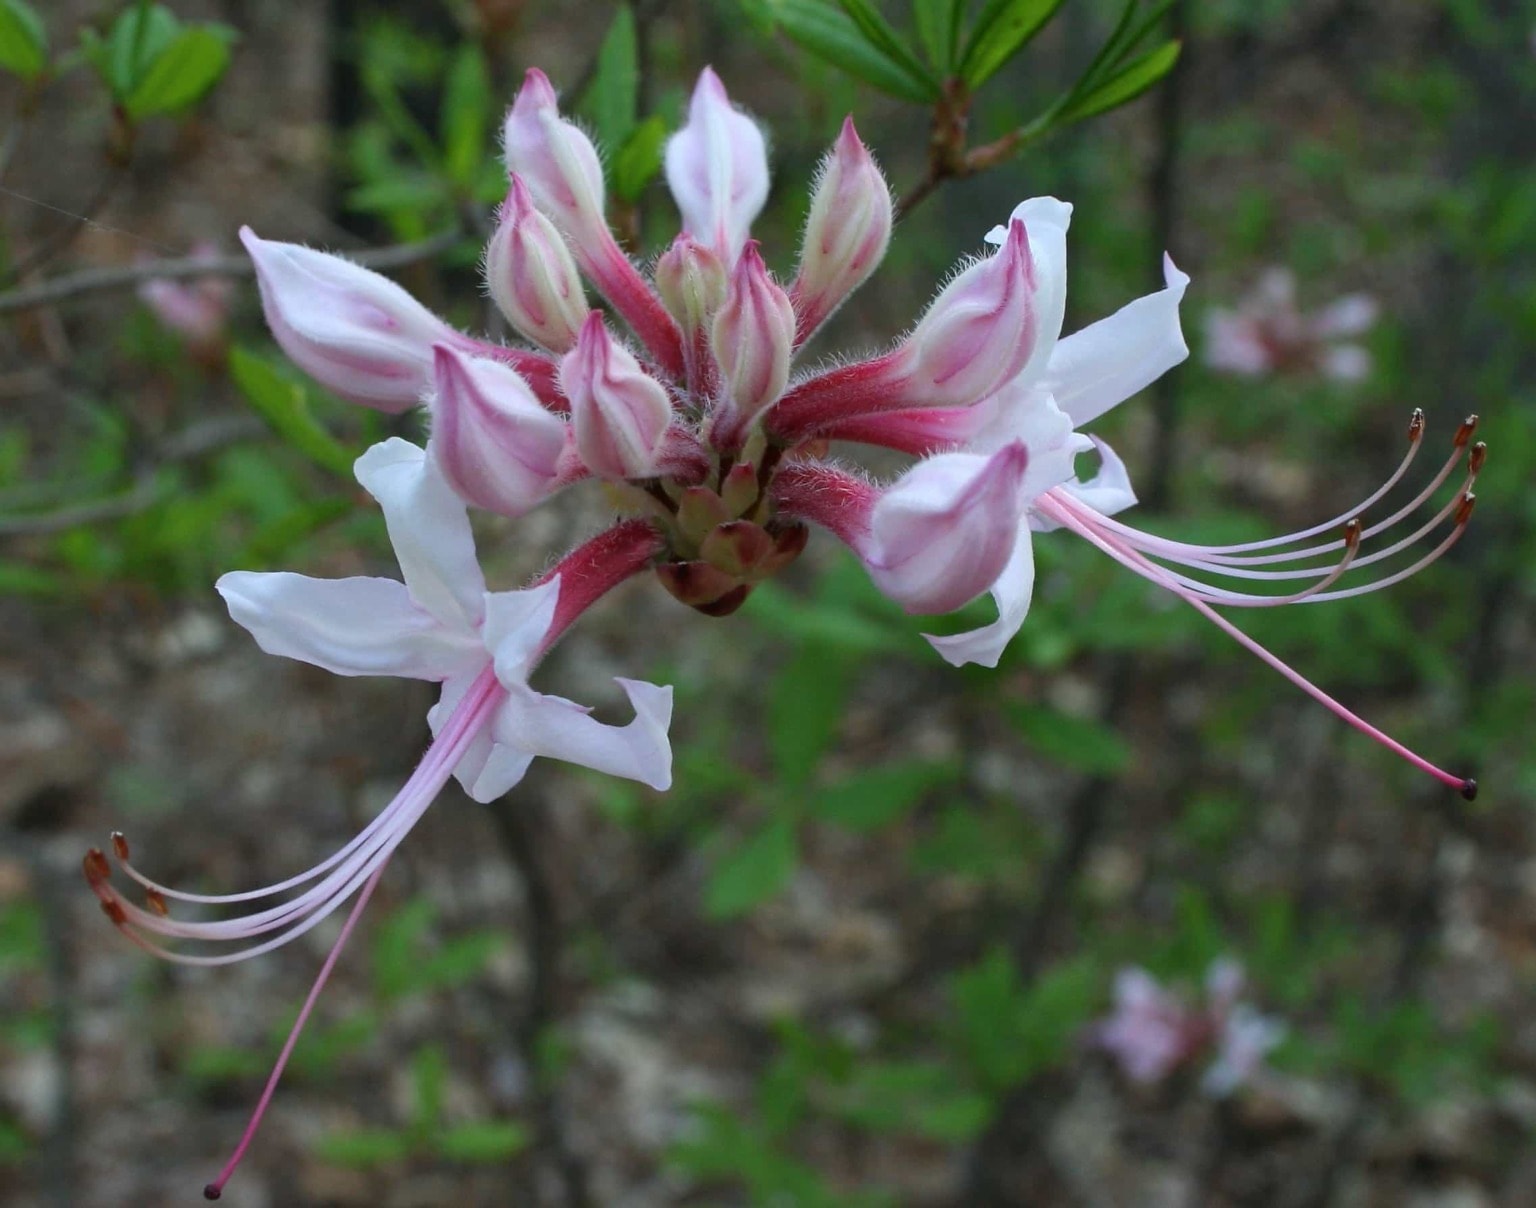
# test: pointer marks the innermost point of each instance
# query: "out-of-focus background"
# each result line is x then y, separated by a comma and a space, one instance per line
868, 950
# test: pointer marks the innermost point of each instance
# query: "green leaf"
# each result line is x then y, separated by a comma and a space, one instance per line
190, 65
284, 404
429, 1077
754, 872
870, 799
136, 40
829, 622
459, 960
1075, 742
482, 1141
466, 104
878, 33
913, 1097
396, 949
23, 40
19, 579
1003, 28
363, 1147
411, 190
1125, 85
1008, 1032
611, 99
829, 34
637, 161
938, 29
805, 704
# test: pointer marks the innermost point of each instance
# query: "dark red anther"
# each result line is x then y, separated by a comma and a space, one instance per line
1477, 457
1464, 509
1352, 532
212, 1192
1416, 425
96, 867
1464, 433
120, 845
1469, 789
113, 909
155, 900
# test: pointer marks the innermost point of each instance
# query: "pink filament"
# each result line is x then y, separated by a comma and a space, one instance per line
1085, 522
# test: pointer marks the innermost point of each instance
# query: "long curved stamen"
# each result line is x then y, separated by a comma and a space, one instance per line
1416, 429
466, 722
309, 909
1179, 563
1217, 561
1083, 521
215, 1189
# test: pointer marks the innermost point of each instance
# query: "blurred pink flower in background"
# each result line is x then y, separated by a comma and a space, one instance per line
1153, 1031
1266, 334
196, 310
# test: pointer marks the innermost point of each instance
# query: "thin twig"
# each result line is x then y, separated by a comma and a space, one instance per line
126, 276
522, 826
1164, 189
193, 442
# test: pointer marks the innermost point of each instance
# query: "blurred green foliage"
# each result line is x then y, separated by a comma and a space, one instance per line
752, 800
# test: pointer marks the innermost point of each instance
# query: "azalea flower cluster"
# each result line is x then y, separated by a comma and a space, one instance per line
1267, 333
714, 446
1154, 1032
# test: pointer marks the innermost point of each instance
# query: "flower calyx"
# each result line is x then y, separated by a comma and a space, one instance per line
724, 540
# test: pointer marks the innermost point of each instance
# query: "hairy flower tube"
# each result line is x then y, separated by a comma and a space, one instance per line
712, 444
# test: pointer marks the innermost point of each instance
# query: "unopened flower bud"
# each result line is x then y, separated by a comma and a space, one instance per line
978, 333
531, 275
691, 280
752, 337
846, 231
556, 160
942, 533
353, 331
620, 413
717, 168
495, 445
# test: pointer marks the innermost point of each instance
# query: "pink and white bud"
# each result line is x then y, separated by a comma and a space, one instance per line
531, 275
556, 160
942, 533
495, 444
846, 231
353, 331
692, 282
978, 333
752, 338
717, 169
621, 414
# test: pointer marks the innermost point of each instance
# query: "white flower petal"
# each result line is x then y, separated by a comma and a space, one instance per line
1104, 364
429, 528
1109, 491
1011, 592
516, 623
561, 729
1351, 315
357, 626
1347, 363
486, 769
